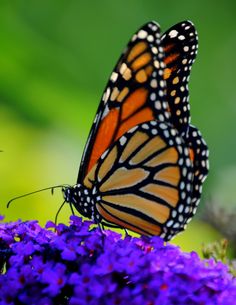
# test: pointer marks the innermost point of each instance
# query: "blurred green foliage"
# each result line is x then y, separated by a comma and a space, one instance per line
55, 59
219, 251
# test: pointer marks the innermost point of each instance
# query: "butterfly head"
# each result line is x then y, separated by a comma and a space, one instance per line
68, 193
82, 199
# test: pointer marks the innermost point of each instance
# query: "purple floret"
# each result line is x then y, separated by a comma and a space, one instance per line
79, 264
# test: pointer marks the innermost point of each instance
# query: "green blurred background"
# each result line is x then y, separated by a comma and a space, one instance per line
55, 59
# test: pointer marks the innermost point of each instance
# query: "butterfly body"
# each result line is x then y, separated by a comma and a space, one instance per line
144, 163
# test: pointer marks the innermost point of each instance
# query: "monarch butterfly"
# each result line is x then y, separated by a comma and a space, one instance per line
144, 164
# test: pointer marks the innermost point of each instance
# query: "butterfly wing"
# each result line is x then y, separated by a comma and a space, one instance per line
199, 154
180, 45
144, 181
143, 165
135, 93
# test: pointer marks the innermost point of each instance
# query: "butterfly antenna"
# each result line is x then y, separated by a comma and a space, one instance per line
31, 193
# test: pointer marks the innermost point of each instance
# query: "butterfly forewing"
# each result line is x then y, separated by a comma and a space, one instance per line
144, 179
180, 45
135, 93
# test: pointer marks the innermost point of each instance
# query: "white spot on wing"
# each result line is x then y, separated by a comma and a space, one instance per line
150, 38
142, 34
107, 95
134, 37
154, 50
153, 96
153, 83
181, 37
114, 76
104, 154
105, 112
173, 34
123, 67
186, 48
154, 131
158, 105
123, 140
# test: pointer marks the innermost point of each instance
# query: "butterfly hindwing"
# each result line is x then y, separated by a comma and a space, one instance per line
145, 181
135, 93
180, 45
199, 154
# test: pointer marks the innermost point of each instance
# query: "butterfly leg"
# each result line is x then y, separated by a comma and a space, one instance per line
72, 210
126, 232
59, 210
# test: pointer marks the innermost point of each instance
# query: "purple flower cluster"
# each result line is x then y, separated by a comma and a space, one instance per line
78, 264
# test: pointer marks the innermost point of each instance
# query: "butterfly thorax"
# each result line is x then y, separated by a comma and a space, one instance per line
83, 199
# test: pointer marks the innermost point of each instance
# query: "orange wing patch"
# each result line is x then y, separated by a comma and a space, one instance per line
107, 130
144, 115
135, 101
141, 61
123, 178
89, 179
107, 164
170, 155
104, 136
169, 59
170, 174
135, 142
191, 154
153, 145
167, 73
128, 221
169, 194
136, 50
149, 207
